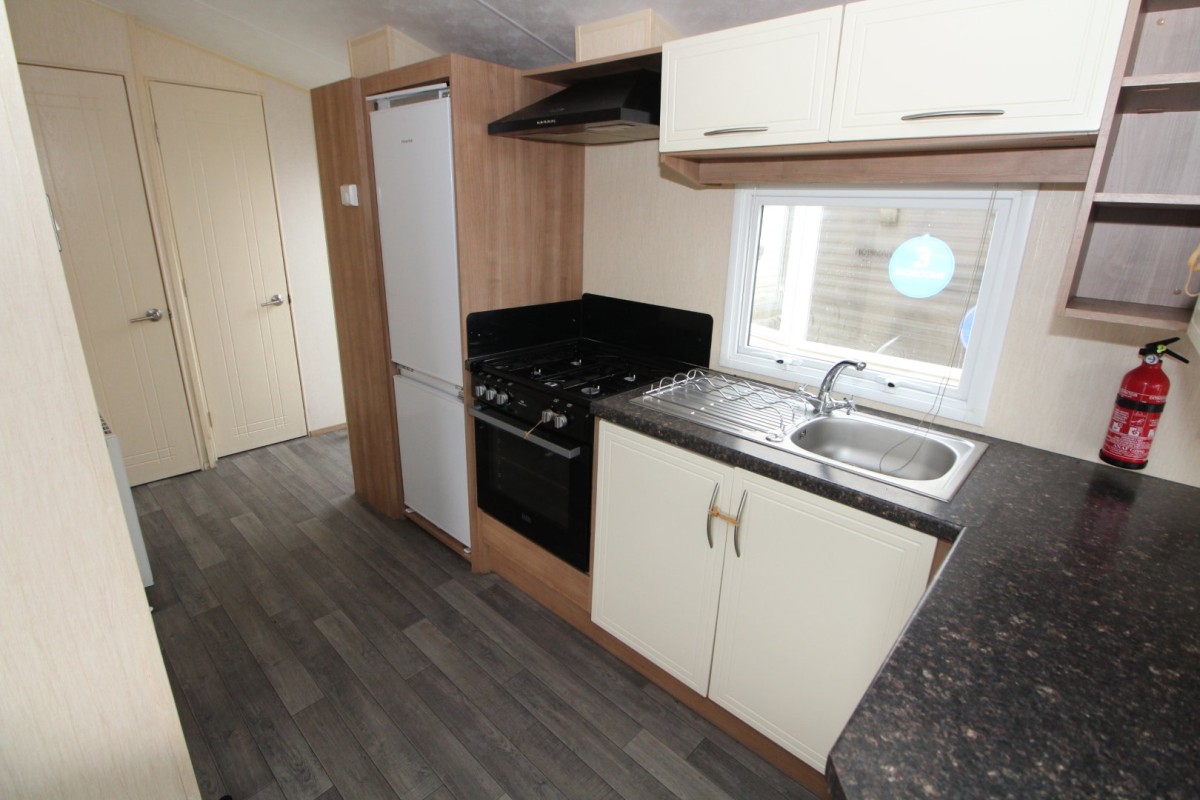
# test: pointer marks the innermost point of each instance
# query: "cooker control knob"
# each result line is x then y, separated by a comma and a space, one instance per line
490, 394
548, 415
480, 390
560, 421
501, 398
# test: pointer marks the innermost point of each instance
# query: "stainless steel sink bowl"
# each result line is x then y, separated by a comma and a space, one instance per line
906, 455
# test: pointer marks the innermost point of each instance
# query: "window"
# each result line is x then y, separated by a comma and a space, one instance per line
917, 283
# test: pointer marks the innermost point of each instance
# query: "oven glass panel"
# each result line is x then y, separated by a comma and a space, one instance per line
541, 495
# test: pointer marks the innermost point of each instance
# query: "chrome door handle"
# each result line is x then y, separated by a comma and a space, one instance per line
990, 112
743, 129
273, 300
737, 525
151, 315
712, 512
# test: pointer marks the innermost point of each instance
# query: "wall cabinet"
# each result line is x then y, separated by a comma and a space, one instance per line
782, 619
925, 68
905, 69
762, 84
1140, 217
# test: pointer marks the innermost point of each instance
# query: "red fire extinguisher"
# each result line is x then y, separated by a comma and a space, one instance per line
1140, 402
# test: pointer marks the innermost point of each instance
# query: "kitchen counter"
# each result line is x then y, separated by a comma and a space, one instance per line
1058, 652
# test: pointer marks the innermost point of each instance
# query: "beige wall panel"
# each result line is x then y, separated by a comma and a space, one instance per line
1058, 376
404, 50
70, 33
164, 58
369, 54
649, 239
86, 710
293, 155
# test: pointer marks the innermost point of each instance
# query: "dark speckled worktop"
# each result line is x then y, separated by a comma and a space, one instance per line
1056, 655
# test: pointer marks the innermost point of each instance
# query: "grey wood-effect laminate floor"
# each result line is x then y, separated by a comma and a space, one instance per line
319, 650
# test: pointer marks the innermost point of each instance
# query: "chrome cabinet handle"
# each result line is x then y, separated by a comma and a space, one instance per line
737, 525
273, 300
744, 129
151, 315
989, 112
712, 512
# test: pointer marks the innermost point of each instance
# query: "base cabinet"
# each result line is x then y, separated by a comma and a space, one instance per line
783, 620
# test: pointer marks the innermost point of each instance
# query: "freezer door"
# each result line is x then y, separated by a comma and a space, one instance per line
433, 455
414, 178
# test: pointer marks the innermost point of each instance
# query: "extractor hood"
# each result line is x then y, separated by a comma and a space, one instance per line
603, 110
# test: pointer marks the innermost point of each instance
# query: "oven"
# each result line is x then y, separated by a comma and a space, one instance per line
535, 372
537, 484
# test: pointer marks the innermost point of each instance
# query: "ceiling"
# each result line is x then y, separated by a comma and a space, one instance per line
304, 41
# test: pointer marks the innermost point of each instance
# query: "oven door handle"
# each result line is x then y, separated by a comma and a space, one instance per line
483, 415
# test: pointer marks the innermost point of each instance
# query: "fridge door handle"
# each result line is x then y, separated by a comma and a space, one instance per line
490, 419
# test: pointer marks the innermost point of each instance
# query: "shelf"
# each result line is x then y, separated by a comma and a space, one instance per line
576, 71
885, 162
1167, 319
1148, 200
1150, 94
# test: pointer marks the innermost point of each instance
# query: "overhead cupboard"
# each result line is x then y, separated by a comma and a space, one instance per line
893, 69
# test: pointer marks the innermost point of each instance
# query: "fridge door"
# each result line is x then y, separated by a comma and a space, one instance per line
433, 454
414, 179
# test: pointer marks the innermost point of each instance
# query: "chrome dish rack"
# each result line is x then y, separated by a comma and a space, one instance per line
735, 405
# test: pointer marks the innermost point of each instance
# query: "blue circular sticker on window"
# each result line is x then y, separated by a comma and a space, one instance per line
964, 327
921, 267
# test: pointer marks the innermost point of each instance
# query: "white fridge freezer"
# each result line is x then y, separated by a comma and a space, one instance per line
414, 180
433, 434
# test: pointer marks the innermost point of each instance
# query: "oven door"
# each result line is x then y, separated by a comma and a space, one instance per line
538, 486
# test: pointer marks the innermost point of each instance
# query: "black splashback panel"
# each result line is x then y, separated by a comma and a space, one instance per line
670, 333
507, 329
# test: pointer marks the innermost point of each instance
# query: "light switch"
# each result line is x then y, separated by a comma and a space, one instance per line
349, 194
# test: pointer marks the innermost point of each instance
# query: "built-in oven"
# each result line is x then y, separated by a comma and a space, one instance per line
535, 371
537, 484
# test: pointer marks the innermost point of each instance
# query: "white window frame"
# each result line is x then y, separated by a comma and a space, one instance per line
1013, 207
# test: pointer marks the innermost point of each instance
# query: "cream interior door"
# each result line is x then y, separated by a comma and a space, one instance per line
84, 135
222, 197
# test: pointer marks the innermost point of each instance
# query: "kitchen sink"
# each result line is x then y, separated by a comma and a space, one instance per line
905, 454
912, 457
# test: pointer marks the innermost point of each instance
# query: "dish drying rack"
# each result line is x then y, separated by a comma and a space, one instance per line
733, 404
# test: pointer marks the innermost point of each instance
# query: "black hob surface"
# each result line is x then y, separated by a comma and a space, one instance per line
580, 370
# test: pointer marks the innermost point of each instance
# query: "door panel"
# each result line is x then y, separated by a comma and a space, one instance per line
222, 198
88, 156
655, 576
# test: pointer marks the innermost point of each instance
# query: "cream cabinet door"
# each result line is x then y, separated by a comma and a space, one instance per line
88, 155
813, 596
929, 68
656, 575
223, 212
762, 84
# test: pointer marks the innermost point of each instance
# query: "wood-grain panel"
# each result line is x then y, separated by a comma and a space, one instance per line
358, 298
519, 215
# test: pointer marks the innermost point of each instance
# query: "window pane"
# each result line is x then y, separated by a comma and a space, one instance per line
838, 280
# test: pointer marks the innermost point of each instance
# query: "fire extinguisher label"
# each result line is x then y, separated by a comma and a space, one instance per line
1130, 434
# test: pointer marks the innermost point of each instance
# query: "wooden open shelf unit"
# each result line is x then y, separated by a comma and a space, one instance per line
1140, 216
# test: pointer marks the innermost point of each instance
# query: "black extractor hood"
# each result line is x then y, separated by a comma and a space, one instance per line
603, 110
